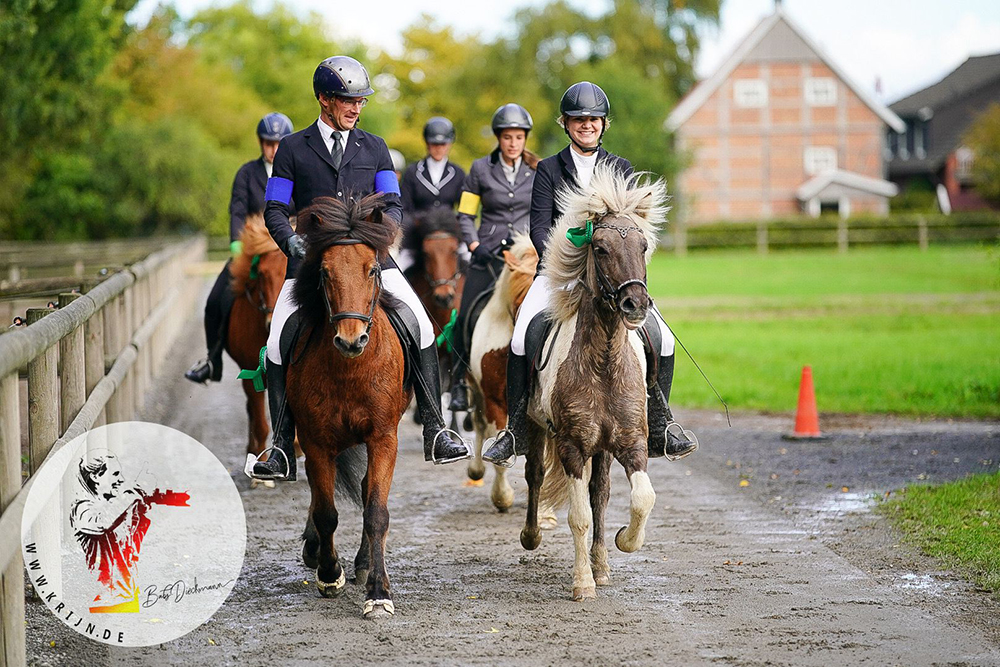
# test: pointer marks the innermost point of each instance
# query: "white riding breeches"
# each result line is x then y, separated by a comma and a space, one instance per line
537, 300
393, 282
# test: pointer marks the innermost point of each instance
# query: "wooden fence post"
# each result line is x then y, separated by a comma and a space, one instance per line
113, 336
842, 235
94, 356
12, 638
43, 399
72, 370
922, 232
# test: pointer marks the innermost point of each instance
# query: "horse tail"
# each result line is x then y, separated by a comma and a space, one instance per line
555, 487
352, 466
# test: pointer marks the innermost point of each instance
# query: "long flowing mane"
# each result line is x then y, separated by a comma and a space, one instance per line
514, 281
325, 222
610, 194
256, 241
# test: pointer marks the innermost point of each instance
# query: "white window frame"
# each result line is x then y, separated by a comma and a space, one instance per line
820, 91
817, 159
750, 93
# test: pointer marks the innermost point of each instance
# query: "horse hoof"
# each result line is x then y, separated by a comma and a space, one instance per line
547, 522
378, 609
268, 483
310, 560
334, 589
467, 422
476, 470
626, 548
530, 540
503, 499
602, 579
584, 593
360, 577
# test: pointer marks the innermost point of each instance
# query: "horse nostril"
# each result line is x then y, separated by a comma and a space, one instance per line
362, 340
628, 305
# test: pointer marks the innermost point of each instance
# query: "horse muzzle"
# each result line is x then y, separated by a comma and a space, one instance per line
351, 348
633, 305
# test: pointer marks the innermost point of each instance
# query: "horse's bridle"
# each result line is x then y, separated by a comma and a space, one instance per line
347, 314
608, 291
261, 303
450, 282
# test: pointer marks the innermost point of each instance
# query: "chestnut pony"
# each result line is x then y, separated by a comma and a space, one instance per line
257, 275
346, 388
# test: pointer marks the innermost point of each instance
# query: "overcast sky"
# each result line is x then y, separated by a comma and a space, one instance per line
908, 44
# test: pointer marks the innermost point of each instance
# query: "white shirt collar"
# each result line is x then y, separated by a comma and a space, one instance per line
584, 166
268, 167
328, 133
510, 171
436, 168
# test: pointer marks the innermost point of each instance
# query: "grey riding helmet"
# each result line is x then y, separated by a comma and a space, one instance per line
341, 76
511, 116
585, 99
439, 130
274, 127
398, 161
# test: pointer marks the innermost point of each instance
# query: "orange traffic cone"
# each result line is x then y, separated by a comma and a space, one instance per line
806, 417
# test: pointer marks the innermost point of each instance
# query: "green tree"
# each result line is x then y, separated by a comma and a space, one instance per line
983, 137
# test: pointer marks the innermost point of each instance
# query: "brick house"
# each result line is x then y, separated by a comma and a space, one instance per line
929, 152
779, 130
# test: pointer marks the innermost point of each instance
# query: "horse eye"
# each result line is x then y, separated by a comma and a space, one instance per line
371, 271
600, 250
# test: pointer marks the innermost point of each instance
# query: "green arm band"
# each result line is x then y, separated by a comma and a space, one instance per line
236, 248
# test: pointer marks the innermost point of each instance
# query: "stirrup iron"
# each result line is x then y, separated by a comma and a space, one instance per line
251, 460
508, 462
458, 438
683, 432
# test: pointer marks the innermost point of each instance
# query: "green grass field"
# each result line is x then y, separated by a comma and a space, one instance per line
955, 522
886, 330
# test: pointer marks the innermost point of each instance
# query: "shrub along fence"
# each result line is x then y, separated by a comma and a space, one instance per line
765, 235
88, 363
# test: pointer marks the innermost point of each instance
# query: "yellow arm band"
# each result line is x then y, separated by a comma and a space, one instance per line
469, 204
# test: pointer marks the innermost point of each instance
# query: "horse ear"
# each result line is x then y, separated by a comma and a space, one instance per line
314, 220
645, 204
377, 215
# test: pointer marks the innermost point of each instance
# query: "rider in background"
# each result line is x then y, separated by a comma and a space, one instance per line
583, 110
247, 199
429, 183
334, 158
499, 183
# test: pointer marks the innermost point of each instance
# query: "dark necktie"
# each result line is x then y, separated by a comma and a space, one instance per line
337, 153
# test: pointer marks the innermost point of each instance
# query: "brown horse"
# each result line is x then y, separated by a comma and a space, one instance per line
589, 405
257, 275
438, 274
346, 387
488, 359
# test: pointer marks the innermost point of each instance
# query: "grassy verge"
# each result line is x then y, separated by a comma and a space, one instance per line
957, 522
886, 330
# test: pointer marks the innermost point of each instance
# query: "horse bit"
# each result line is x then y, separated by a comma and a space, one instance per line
608, 291
347, 314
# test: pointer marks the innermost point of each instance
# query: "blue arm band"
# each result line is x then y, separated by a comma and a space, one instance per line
386, 182
278, 189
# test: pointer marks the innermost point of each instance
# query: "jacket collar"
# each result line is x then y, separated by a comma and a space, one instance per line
425, 179
355, 141
567, 165
496, 169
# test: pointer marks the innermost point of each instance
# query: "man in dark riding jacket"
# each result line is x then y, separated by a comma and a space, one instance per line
584, 110
247, 199
334, 158
427, 184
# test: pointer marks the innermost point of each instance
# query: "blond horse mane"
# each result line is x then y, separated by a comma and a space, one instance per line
611, 194
521, 261
256, 241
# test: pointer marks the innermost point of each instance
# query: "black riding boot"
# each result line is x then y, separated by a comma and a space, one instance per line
439, 444
513, 439
276, 466
217, 309
459, 387
666, 437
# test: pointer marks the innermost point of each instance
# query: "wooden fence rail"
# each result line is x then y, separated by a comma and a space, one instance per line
89, 363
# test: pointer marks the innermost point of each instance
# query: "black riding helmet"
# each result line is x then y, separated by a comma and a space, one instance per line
341, 76
439, 130
511, 116
585, 99
274, 127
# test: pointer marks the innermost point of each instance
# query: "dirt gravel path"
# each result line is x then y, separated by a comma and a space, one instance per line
784, 571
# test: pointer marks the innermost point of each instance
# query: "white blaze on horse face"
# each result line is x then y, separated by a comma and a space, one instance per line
641, 502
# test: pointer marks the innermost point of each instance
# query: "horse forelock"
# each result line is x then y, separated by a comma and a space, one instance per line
255, 240
437, 220
611, 194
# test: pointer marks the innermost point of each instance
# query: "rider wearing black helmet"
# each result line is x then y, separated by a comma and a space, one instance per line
429, 183
584, 110
334, 158
499, 183
247, 199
